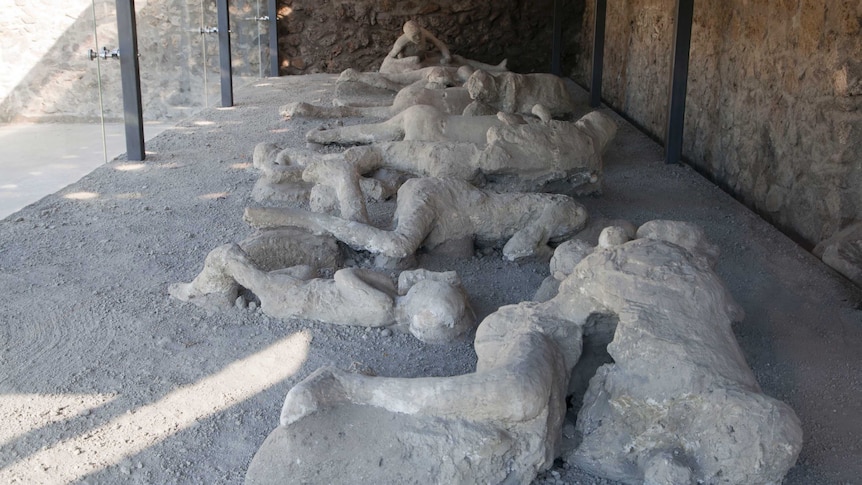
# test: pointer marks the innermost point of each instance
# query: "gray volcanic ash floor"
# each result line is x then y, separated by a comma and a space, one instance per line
105, 379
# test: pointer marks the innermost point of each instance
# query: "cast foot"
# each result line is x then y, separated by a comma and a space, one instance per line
296, 109
321, 136
321, 389
348, 74
211, 301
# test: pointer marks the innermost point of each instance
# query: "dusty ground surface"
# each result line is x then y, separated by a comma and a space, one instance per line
105, 379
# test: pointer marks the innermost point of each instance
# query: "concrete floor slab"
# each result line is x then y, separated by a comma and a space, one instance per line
37, 159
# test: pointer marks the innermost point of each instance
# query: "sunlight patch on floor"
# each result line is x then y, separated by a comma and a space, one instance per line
47, 408
144, 427
81, 195
128, 167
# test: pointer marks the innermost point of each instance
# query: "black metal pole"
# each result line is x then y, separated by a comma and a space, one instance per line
557, 42
273, 38
224, 54
598, 53
130, 75
678, 80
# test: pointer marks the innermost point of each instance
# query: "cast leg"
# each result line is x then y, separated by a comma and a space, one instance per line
517, 390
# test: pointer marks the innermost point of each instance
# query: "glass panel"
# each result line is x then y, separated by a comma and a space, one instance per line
63, 68
175, 51
208, 44
248, 36
50, 117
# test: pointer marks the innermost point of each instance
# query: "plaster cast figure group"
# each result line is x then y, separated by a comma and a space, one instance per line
676, 404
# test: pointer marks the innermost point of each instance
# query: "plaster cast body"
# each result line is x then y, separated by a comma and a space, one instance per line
483, 94
679, 403
215, 290
416, 123
396, 81
427, 123
521, 156
410, 52
434, 211
452, 100
431, 305
281, 182
510, 92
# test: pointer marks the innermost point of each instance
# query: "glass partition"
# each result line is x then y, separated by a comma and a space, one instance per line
61, 80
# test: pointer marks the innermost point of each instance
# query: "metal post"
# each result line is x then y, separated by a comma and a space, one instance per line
273, 38
678, 80
557, 42
130, 75
598, 53
224, 54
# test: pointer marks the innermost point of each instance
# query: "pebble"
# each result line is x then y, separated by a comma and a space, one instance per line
386, 332
240, 302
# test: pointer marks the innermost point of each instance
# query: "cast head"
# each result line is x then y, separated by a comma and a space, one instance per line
565, 218
439, 77
464, 72
482, 87
412, 31
436, 312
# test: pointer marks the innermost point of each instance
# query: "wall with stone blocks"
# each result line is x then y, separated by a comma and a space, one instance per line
774, 103
332, 35
46, 75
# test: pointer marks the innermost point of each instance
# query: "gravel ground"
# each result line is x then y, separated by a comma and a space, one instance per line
105, 379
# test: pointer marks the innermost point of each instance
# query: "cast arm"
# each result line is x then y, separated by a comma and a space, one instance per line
444, 50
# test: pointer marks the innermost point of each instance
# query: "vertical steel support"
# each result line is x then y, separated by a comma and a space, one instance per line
598, 53
273, 38
678, 80
224, 54
557, 42
130, 74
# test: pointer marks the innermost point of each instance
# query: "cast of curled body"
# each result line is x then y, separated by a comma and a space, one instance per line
280, 268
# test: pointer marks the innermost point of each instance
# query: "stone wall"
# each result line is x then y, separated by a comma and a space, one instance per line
332, 35
46, 75
773, 105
